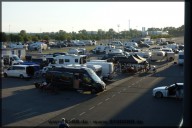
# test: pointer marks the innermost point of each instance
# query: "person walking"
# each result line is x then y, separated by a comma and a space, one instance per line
63, 124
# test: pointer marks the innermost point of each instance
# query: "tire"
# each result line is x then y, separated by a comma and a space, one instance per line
21, 76
5, 75
158, 95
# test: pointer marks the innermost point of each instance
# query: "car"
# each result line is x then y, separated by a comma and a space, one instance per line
181, 47
141, 45
131, 49
168, 91
21, 71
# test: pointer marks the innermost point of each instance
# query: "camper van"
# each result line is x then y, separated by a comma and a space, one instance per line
21, 71
107, 69
181, 58
62, 60
79, 78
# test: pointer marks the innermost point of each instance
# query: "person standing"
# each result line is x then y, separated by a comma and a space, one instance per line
63, 124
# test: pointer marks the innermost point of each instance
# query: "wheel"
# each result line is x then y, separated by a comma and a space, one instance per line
21, 76
5, 75
158, 95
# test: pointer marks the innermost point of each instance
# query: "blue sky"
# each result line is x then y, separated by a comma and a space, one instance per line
91, 16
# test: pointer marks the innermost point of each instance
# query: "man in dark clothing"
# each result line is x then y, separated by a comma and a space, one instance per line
63, 124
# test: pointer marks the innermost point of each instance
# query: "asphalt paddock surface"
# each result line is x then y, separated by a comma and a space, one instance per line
22, 103
25, 105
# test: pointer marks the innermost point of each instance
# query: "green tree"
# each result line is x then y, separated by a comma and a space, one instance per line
4, 37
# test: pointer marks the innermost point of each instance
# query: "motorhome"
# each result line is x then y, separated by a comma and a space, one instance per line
62, 60
157, 55
181, 58
107, 69
79, 78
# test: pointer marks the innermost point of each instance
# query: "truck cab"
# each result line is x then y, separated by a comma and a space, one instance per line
11, 60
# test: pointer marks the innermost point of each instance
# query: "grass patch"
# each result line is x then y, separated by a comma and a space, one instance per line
65, 49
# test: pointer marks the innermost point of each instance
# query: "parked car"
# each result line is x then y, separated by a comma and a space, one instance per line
110, 55
168, 91
181, 47
131, 49
156, 49
142, 45
21, 71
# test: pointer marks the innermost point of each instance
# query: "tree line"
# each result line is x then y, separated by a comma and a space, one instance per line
62, 35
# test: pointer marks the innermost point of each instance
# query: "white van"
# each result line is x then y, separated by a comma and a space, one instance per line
107, 69
21, 71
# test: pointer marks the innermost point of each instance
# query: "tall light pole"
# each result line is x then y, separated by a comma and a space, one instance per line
9, 28
118, 29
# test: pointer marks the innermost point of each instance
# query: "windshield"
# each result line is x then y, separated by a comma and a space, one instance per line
93, 75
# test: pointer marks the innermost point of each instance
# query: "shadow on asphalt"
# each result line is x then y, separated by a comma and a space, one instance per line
169, 114
27, 103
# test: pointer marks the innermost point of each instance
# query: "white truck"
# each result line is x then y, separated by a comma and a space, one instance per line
11, 59
107, 69
62, 60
